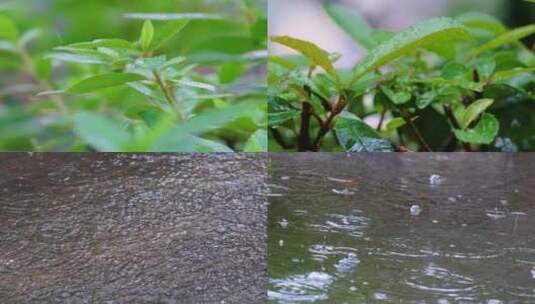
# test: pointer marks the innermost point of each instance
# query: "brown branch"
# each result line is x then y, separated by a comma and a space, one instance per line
168, 92
416, 133
304, 135
380, 125
280, 139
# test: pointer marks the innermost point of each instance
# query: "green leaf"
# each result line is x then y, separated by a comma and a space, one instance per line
507, 38
257, 142
8, 29
167, 32
316, 55
474, 110
167, 17
147, 34
394, 124
101, 133
43, 67
280, 111
483, 21
106, 43
420, 35
354, 135
484, 133
102, 82
86, 59
352, 23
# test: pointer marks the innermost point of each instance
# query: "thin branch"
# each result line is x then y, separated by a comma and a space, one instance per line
304, 131
380, 125
168, 92
416, 133
280, 139
29, 64
455, 124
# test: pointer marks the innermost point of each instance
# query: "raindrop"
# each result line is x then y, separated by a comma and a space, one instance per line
283, 223
436, 179
281, 243
343, 192
416, 210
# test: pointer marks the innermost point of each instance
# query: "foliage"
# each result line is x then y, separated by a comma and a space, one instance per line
445, 84
187, 81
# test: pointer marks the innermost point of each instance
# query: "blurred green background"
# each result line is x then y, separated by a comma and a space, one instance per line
229, 51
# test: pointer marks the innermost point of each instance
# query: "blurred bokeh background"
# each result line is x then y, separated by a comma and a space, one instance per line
307, 20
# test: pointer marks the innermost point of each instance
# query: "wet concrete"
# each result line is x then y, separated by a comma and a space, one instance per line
113, 228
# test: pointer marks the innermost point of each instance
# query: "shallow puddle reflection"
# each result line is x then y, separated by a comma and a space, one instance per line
402, 228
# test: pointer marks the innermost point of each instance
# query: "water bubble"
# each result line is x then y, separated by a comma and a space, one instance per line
283, 223
436, 179
415, 210
380, 296
285, 178
452, 199
504, 202
533, 272
352, 288
494, 301
281, 243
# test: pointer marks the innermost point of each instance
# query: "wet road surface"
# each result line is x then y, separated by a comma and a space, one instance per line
132, 228
402, 228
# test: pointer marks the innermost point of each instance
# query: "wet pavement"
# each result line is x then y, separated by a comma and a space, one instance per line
114, 228
402, 228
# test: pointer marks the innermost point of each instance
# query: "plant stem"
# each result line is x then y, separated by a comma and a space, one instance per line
455, 124
280, 139
29, 65
304, 135
380, 125
416, 132
168, 92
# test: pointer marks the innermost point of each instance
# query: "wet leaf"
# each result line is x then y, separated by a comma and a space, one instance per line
422, 34
280, 111
354, 135
507, 38
316, 55
474, 110
484, 133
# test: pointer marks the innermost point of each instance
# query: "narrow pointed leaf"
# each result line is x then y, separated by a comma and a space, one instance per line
316, 55
474, 110
102, 82
420, 35
167, 32
509, 37
147, 34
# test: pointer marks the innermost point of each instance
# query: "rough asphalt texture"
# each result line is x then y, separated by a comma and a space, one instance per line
113, 228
